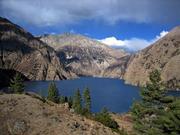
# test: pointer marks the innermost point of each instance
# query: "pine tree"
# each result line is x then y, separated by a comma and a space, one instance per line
77, 102
145, 113
169, 119
157, 113
155, 89
87, 100
53, 93
16, 84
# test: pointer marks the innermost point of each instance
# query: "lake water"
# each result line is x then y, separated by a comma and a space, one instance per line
113, 94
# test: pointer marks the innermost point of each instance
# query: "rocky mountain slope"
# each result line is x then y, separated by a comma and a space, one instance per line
22, 52
84, 56
163, 55
87, 57
117, 69
31, 56
28, 115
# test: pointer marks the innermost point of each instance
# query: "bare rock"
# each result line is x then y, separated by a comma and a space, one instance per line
22, 52
17, 127
163, 55
84, 56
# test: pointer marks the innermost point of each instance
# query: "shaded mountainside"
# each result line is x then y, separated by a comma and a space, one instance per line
22, 52
28, 115
70, 54
163, 55
6, 75
84, 56
117, 69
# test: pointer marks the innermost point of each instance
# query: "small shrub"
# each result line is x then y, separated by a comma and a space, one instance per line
105, 118
63, 99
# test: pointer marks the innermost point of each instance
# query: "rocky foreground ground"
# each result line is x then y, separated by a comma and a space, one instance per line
29, 115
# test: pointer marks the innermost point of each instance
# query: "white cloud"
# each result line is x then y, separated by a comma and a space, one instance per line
162, 34
133, 44
112, 41
63, 12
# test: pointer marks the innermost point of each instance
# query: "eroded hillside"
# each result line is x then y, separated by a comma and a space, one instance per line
84, 56
28, 115
22, 52
163, 55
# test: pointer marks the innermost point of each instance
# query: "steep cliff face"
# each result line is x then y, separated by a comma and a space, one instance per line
84, 56
163, 55
22, 52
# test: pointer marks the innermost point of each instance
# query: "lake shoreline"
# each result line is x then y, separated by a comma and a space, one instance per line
106, 92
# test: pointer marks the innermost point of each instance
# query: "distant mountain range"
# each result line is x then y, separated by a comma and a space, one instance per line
82, 55
64, 56
126, 49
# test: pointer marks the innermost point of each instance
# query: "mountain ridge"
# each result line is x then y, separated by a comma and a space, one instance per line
83, 55
50, 57
134, 68
21, 51
163, 55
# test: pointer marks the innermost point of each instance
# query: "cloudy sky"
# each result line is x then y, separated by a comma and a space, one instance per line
131, 23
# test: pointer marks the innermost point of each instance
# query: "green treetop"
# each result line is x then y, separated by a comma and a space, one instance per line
77, 105
16, 84
53, 93
155, 89
87, 100
157, 113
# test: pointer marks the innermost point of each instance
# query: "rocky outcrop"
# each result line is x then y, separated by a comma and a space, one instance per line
28, 115
163, 55
22, 52
84, 56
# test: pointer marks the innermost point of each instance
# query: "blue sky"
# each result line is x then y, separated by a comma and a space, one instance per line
131, 23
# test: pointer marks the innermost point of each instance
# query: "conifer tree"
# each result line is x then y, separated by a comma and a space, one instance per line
154, 90
53, 93
77, 102
168, 120
16, 84
87, 100
157, 113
